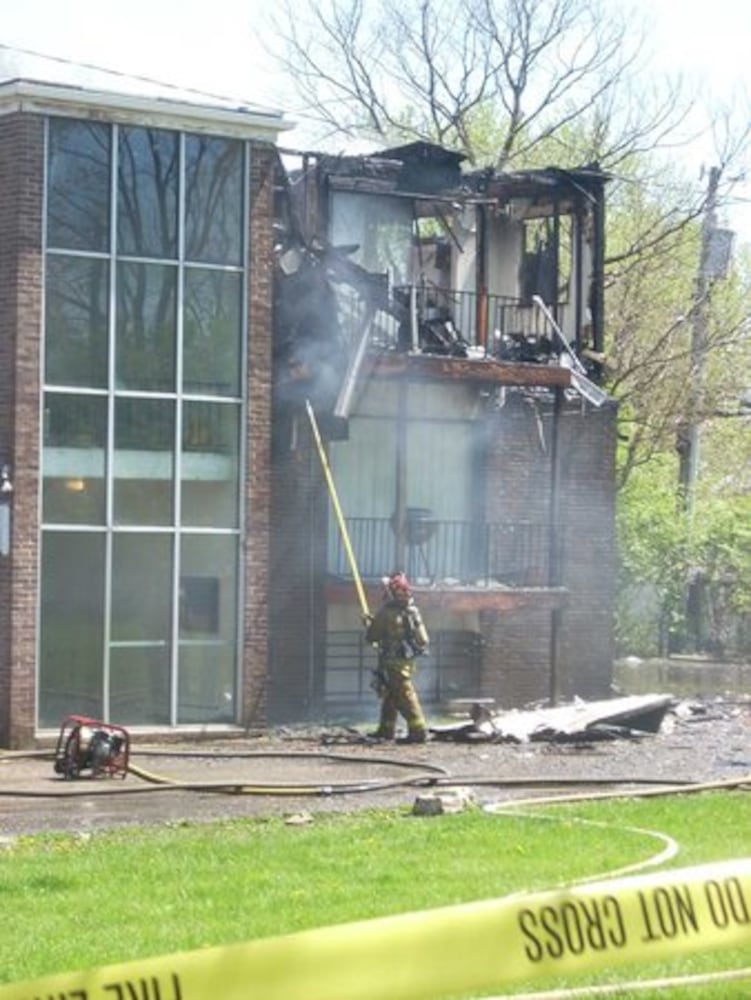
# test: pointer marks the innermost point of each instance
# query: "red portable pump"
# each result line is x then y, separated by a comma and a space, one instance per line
89, 745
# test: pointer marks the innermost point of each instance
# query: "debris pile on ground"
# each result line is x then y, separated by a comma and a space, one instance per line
628, 717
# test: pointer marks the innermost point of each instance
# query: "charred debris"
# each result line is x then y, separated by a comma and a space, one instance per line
401, 261
627, 717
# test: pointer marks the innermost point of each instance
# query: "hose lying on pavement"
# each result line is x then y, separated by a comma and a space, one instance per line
423, 775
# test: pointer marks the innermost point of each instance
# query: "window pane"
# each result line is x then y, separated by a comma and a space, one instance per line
208, 629
72, 626
382, 229
212, 331
146, 297
206, 690
139, 685
147, 193
76, 321
213, 201
141, 628
144, 461
73, 462
78, 185
141, 588
210, 464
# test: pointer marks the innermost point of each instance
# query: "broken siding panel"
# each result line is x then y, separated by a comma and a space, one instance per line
464, 263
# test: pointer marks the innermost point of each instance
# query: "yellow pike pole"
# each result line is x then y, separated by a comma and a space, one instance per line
338, 510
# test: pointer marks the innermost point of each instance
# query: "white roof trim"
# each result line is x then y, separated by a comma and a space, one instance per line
220, 117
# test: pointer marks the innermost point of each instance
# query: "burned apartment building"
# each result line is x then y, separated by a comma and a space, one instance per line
174, 293
446, 328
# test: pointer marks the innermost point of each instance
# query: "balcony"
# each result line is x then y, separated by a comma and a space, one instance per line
451, 322
449, 553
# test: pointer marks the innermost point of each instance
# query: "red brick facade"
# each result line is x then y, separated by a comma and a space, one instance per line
21, 180
576, 643
258, 435
297, 593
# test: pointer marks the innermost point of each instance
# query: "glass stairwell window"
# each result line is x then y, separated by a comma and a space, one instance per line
146, 298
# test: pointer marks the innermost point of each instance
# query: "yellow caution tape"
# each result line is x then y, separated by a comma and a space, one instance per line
435, 953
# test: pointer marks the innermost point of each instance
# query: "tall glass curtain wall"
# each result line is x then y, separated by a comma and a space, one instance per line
144, 326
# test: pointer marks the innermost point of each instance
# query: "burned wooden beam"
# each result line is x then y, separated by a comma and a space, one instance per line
478, 371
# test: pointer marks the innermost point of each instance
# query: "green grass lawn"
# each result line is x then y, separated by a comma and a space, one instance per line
71, 903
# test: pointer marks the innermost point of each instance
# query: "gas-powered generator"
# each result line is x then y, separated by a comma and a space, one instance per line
87, 745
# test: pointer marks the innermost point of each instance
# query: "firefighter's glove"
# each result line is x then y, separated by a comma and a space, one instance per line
367, 620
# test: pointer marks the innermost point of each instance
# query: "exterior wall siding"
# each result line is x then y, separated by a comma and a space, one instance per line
21, 181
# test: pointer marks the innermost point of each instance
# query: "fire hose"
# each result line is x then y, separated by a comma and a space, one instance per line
424, 775
338, 510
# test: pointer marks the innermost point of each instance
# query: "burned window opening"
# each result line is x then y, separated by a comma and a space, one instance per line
546, 262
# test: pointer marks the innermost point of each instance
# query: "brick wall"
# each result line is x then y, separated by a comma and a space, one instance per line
258, 431
298, 573
516, 657
21, 180
518, 652
518, 461
586, 652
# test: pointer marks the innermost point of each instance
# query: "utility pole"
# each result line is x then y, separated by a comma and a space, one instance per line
713, 262
690, 432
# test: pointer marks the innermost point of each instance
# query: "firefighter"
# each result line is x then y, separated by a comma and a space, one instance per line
398, 631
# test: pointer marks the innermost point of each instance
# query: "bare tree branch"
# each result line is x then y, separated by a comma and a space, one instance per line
423, 69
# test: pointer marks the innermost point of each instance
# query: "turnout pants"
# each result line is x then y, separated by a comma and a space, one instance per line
399, 697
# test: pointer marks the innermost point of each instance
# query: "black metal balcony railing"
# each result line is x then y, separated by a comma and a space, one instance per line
515, 554
451, 669
500, 326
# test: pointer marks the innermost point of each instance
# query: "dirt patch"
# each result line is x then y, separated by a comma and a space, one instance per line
289, 772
